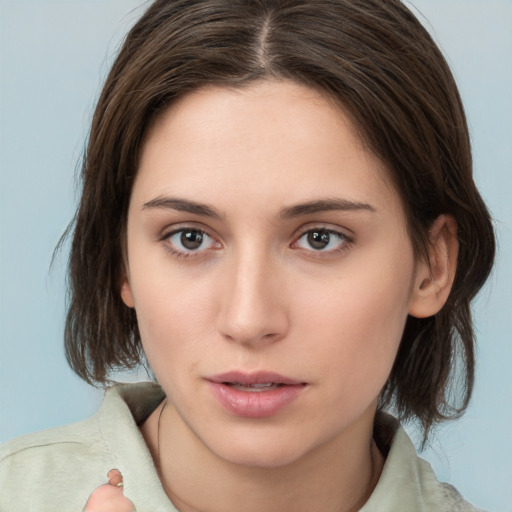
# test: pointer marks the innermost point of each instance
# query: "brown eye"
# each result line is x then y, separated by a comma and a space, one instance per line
191, 240
188, 241
322, 240
318, 239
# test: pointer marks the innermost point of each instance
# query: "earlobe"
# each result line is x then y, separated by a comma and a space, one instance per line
126, 293
434, 278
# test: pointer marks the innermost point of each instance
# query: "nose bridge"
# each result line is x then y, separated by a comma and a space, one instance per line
253, 309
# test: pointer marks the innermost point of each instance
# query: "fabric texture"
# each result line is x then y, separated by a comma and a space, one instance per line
60, 468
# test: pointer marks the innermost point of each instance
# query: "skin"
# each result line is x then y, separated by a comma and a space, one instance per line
257, 296
109, 497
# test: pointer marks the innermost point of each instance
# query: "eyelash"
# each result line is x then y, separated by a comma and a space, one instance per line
166, 237
345, 242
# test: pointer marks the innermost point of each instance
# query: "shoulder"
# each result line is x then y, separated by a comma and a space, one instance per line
407, 481
125, 404
454, 502
74, 435
57, 465
58, 469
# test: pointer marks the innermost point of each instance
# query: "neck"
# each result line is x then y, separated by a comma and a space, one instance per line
338, 476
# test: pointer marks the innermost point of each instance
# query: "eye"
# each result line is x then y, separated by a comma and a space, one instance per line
187, 241
322, 240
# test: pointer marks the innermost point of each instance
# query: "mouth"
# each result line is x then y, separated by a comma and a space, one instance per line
251, 379
253, 388
255, 395
254, 382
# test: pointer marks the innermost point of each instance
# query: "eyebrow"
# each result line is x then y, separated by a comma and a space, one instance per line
182, 205
204, 210
324, 205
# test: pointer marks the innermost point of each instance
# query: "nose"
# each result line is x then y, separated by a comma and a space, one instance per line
253, 305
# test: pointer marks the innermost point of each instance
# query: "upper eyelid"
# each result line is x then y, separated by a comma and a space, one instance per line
176, 228
178, 252
325, 226
346, 242
346, 239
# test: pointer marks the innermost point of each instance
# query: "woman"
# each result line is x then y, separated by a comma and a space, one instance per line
278, 213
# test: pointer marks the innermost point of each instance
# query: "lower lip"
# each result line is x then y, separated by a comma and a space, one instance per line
255, 404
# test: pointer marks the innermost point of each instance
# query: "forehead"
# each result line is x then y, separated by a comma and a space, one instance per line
275, 141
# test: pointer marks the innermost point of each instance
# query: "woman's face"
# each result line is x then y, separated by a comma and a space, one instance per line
270, 268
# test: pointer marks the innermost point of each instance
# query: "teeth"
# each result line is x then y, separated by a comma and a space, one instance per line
267, 386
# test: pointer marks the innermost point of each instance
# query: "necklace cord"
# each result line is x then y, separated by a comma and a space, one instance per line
158, 464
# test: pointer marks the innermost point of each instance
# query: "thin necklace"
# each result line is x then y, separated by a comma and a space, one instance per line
158, 465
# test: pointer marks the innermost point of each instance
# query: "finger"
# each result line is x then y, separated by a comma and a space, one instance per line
115, 478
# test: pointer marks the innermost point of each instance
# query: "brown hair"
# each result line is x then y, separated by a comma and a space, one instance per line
375, 59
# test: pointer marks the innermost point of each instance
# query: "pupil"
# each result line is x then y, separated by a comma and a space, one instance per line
191, 239
319, 239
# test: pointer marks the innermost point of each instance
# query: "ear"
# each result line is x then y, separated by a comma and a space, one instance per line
434, 278
126, 292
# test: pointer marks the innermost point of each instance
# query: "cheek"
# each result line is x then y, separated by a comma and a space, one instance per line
358, 324
175, 318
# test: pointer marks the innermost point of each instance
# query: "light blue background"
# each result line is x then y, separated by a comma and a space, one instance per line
54, 56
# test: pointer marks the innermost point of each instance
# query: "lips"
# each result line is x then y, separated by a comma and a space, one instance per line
253, 388
254, 395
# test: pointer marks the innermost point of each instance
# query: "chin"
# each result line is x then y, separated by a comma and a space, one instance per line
256, 457
261, 447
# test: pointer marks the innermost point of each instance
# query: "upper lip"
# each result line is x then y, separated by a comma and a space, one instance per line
248, 378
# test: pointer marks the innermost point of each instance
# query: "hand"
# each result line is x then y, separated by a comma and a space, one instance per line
110, 497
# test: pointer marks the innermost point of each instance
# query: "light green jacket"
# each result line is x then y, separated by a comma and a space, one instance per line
57, 470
